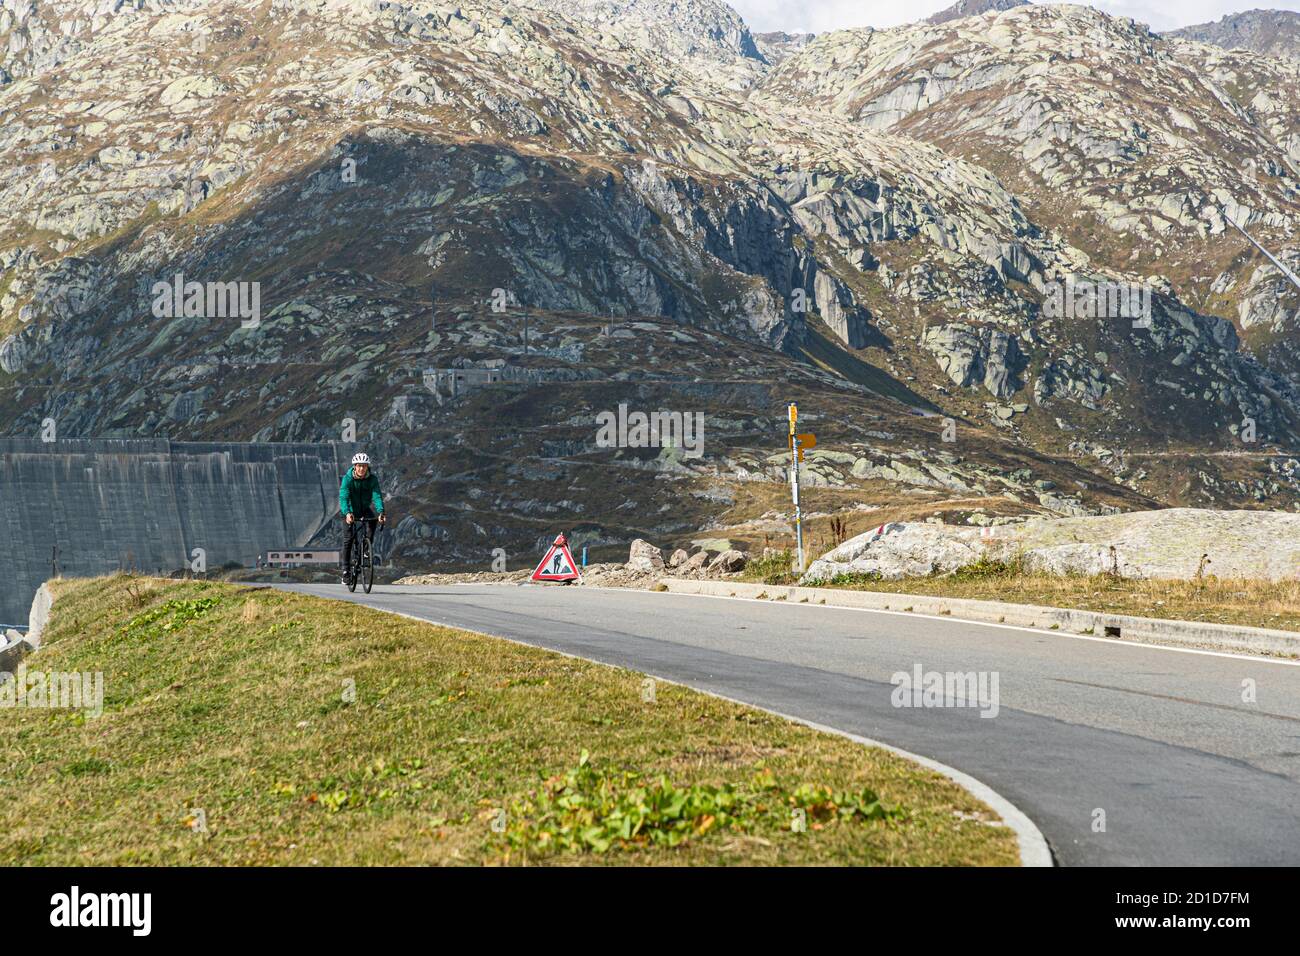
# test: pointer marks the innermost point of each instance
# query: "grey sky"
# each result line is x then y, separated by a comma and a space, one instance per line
801, 16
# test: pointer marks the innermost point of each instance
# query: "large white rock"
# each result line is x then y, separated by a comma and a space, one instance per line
696, 562
644, 556
1144, 544
728, 562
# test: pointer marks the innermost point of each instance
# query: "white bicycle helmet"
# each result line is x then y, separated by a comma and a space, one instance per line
361, 458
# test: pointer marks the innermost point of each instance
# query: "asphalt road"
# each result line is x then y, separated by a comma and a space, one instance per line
1161, 741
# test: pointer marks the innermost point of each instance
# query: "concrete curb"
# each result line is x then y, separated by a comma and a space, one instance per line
11, 655
1034, 849
39, 617
1097, 624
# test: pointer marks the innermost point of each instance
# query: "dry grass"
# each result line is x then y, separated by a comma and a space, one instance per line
1248, 603
835, 518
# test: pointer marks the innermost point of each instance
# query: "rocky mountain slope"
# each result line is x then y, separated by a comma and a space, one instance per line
777, 45
1125, 172
608, 202
1269, 32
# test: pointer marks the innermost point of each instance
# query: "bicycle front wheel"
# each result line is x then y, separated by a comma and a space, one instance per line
369, 568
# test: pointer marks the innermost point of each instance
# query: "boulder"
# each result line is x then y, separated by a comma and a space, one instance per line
973, 356
957, 349
1002, 363
678, 558
728, 562
696, 561
644, 556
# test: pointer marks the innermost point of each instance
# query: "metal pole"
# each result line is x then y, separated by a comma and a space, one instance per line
793, 413
798, 513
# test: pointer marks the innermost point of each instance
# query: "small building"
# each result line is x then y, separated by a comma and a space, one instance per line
450, 382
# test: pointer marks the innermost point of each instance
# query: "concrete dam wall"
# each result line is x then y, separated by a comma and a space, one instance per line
109, 504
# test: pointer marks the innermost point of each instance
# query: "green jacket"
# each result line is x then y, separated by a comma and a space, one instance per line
357, 495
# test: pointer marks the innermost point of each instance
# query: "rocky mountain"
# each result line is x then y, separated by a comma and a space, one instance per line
1129, 171
972, 8
1267, 32
464, 232
777, 45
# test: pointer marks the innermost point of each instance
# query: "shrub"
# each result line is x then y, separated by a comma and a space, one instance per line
987, 567
178, 614
594, 811
774, 567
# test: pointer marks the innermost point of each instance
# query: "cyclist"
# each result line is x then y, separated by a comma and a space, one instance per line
359, 497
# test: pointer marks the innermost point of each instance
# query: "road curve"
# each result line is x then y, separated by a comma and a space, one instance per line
1185, 757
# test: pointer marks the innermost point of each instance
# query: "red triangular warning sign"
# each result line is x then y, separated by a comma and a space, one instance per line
558, 565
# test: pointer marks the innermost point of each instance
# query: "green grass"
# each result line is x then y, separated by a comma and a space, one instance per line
247, 726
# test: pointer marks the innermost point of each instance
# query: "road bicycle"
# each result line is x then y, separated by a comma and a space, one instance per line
363, 556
